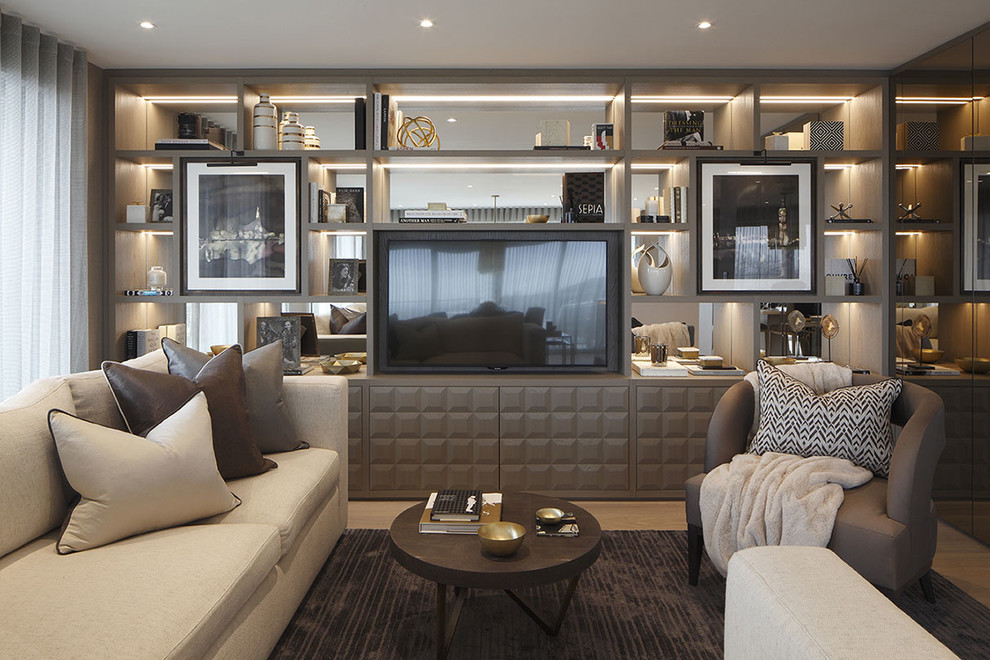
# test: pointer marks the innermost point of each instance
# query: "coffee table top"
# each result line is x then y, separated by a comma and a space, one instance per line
457, 559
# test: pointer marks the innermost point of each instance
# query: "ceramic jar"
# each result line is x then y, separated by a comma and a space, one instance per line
310, 139
157, 278
654, 270
265, 124
292, 132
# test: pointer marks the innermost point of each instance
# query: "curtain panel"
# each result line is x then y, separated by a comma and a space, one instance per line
43, 273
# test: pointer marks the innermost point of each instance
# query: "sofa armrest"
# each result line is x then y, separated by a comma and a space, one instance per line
318, 408
801, 602
729, 426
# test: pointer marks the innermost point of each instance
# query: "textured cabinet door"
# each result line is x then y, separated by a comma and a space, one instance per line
356, 463
571, 441
421, 439
671, 425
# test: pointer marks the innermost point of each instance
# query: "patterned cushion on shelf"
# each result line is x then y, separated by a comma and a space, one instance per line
850, 422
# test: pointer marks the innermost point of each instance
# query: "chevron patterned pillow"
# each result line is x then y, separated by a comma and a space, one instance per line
850, 422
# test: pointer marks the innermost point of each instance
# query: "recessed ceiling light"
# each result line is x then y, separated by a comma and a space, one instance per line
147, 25
470, 185
704, 25
426, 23
451, 120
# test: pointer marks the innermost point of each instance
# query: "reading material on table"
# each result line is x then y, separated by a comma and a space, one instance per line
491, 511
456, 505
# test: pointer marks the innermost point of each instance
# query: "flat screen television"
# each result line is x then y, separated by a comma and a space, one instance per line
483, 301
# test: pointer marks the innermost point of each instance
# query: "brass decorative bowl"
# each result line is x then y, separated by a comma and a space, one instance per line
549, 515
217, 349
928, 355
339, 367
537, 219
361, 357
501, 538
973, 365
776, 360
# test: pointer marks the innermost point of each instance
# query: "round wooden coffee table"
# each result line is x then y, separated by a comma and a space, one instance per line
457, 559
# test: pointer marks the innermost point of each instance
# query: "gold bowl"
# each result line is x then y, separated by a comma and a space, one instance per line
927, 355
217, 349
973, 365
360, 357
537, 219
501, 538
338, 367
776, 360
549, 515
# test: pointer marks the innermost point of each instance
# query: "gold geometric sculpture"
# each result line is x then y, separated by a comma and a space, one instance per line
418, 132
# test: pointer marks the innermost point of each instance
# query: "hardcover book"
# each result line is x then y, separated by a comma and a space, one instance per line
491, 511
360, 141
684, 126
584, 196
353, 199
456, 505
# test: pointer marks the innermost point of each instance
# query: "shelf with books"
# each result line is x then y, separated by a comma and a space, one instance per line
720, 112
145, 112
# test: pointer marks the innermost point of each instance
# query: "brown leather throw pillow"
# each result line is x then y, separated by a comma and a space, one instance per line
145, 398
268, 418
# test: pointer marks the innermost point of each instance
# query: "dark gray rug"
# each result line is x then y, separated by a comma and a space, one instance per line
634, 602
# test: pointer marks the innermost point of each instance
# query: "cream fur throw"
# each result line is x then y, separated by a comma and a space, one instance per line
673, 334
822, 377
773, 499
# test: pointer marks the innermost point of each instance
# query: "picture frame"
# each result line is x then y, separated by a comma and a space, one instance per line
240, 226
160, 205
308, 340
757, 223
343, 277
975, 235
287, 329
353, 199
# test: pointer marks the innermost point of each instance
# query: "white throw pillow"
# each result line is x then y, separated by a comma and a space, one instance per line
129, 485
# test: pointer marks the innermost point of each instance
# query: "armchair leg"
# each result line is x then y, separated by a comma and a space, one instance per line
927, 587
696, 544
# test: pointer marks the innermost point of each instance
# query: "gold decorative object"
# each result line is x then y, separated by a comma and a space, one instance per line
550, 515
533, 219
501, 538
332, 365
927, 355
973, 365
217, 349
830, 329
361, 357
418, 133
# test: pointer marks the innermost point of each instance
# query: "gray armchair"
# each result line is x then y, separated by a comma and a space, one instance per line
885, 529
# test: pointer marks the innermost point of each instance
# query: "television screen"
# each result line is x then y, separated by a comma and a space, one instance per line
498, 300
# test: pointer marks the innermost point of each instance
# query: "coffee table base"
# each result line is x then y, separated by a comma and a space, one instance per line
447, 623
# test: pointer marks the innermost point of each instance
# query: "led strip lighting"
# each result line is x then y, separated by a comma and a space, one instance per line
680, 99
495, 166
158, 166
652, 166
454, 98
931, 100
805, 99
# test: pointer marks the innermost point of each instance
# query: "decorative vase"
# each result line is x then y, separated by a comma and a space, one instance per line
265, 124
310, 139
292, 132
157, 278
654, 270
634, 275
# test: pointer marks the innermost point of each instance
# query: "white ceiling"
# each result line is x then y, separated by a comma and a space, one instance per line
860, 34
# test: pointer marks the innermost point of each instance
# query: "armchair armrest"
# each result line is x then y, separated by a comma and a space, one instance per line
916, 452
729, 426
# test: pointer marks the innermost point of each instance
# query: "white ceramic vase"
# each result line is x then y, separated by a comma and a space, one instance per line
654, 270
265, 124
291, 132
310, 138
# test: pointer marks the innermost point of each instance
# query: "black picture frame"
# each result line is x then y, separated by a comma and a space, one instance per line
344, 276
240, 226
160, 205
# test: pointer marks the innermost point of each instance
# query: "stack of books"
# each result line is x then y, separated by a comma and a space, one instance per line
445, 216
188, 144
455, 516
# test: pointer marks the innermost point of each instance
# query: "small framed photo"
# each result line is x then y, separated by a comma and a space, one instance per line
756, 220
343, 276
161, 205
240, 226
286, 329
976, 227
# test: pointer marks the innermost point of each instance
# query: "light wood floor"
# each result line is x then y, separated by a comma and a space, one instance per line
959, 558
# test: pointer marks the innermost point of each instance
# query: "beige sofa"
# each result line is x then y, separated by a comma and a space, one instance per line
222, 587
785, 602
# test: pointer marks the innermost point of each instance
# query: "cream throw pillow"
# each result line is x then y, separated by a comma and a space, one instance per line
129, 485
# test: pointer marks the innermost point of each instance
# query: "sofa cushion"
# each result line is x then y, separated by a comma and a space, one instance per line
33, 491
849, 422
128, 485
288, 497
145, 398
94, 400
166, 594
268, 419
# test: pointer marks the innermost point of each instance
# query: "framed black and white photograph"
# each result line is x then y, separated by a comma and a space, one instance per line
976, 227
240, 226
288, 330
756, 226
161, 205
353, 200
343, 276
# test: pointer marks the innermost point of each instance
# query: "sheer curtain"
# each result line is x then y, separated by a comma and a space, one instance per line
43, 275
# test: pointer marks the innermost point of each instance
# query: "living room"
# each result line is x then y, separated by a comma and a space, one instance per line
599, 276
